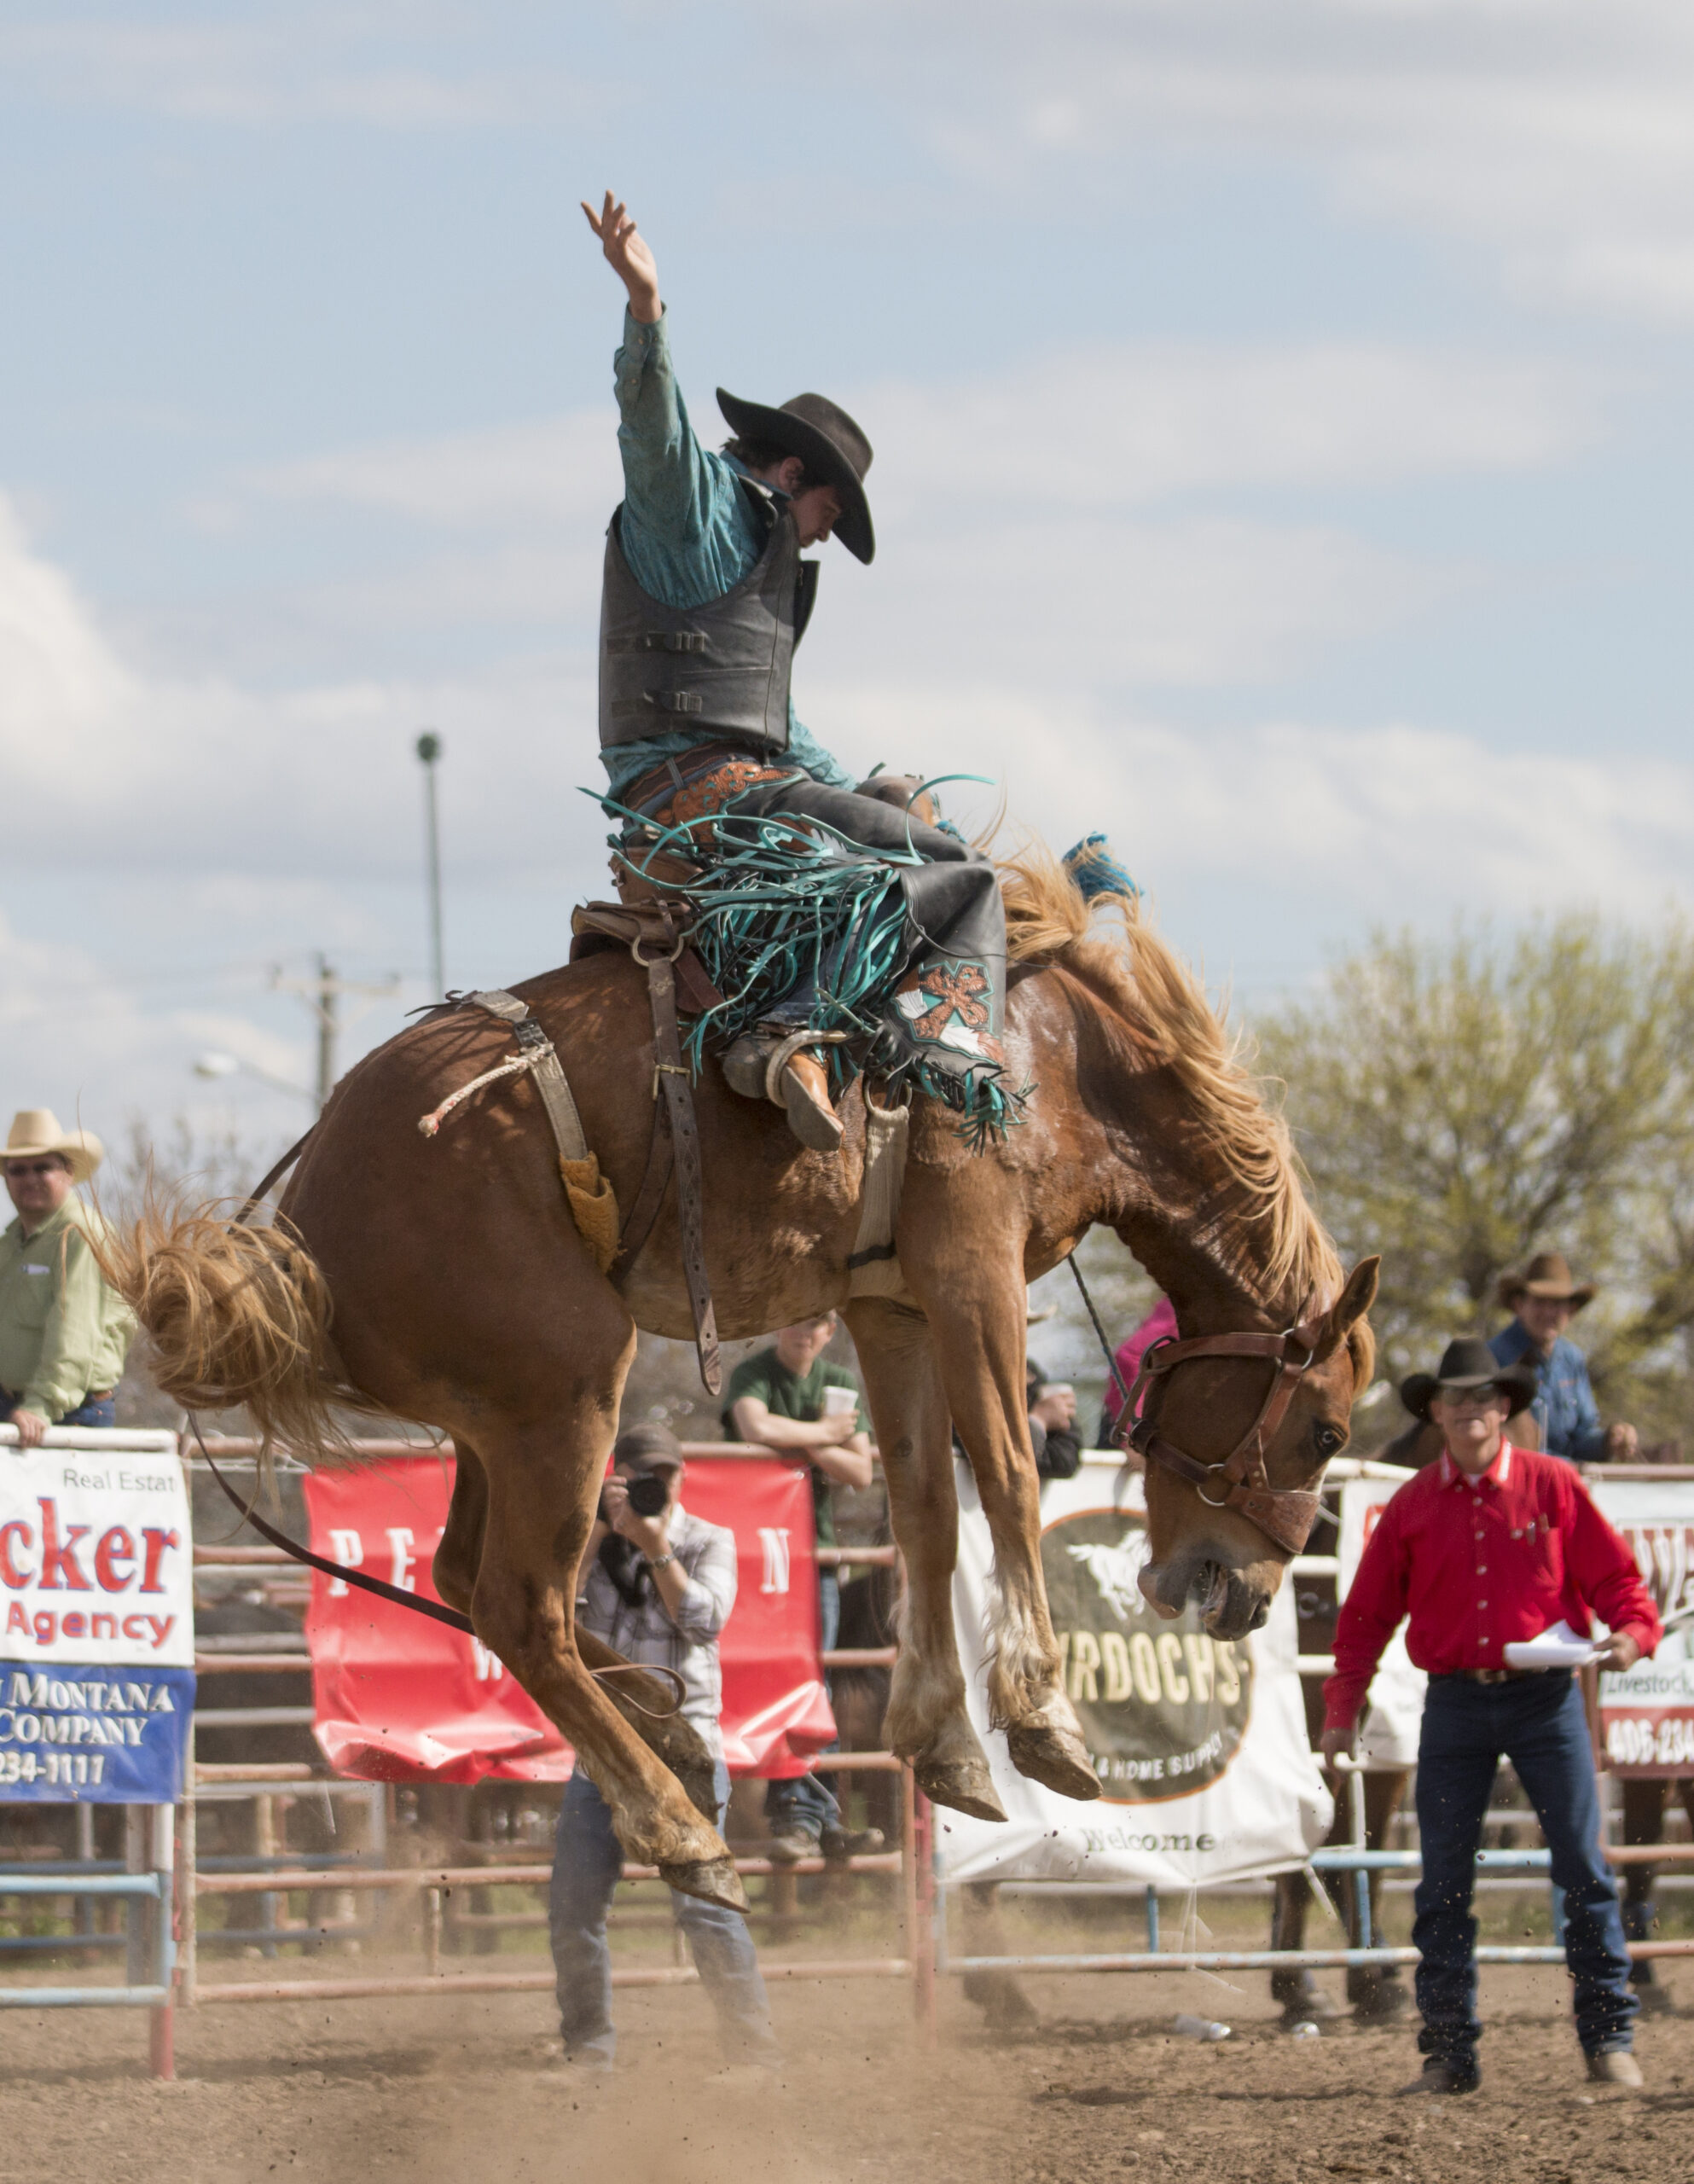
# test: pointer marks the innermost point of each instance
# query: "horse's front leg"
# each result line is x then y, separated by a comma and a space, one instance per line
926, 1720
977, 1311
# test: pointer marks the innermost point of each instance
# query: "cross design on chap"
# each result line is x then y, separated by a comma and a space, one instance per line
950, 994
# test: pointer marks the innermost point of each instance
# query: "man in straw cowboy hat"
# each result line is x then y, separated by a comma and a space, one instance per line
63, 1332
1546, 1300
1486, 1548
705, 599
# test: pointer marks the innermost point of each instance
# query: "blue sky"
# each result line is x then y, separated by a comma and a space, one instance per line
1282, 461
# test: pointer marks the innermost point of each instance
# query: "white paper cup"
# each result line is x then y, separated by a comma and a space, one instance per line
839, 1403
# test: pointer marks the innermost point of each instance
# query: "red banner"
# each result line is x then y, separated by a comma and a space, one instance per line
402, 1698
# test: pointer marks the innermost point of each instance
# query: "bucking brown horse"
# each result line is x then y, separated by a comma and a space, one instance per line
443, 1280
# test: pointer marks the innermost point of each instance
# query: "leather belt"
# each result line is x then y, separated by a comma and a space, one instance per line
681, 773
1488, 1675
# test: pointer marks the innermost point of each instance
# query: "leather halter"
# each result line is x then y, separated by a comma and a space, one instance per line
1284, 1514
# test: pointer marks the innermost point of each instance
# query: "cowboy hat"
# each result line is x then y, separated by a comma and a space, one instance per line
1470, 1363
829, 443
1547, 1275
36, 1130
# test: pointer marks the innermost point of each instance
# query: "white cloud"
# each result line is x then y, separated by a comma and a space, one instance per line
309, 64
1166, 418
1552, 134
553, 471
1282, 835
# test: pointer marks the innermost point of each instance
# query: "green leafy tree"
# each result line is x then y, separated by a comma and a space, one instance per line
1462, 1104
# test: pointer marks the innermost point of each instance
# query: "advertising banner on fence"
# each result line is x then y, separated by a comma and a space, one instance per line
97, 1647
402, 1698
1393, 1718
1647, 1714
1200, 1745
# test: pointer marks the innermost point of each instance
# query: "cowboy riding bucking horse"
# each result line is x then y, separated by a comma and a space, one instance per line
705, 598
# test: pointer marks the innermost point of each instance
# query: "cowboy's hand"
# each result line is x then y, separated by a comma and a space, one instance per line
1624, 1443
1620, 1652
628, 257
1337, 1744
31, 1428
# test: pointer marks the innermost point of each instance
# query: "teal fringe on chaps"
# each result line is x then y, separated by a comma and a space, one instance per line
803, 922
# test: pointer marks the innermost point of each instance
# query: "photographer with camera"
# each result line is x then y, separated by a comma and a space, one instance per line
657, 1585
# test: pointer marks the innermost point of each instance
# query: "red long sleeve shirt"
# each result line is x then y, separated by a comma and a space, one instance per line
1480, 1564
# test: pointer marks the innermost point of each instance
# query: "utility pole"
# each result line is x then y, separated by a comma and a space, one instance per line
429, 751
323, 996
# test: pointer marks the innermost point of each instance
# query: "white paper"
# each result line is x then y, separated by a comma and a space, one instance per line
1558, 1647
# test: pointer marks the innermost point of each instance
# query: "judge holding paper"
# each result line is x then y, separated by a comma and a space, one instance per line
1487, 1549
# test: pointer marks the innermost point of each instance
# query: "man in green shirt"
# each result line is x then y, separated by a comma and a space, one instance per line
782, 1398
63, 1332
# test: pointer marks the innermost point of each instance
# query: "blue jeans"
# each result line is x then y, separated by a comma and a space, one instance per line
587, 1858
87, 1413
803, 1805
1539, 1723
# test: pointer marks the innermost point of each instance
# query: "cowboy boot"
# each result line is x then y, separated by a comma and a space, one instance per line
801, 1086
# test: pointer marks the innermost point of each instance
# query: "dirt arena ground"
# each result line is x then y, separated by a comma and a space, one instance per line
473, 2089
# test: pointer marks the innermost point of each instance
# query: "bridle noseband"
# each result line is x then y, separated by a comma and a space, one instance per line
1284, 1514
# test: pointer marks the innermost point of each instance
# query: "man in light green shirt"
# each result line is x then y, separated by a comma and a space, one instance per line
64, 1331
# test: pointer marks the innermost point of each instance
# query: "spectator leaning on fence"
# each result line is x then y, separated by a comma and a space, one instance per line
659, 1591
791, 1398
1487, 1546
1546, 1300
63, 1333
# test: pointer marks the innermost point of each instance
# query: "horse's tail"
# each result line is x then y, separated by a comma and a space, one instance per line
238, 1318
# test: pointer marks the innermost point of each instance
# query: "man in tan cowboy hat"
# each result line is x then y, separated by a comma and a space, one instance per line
63, 1333
1546, 1300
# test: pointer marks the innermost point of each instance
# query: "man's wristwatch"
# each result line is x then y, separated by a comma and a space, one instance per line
662, 1561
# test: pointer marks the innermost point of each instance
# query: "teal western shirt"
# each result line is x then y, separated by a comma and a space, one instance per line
688, 533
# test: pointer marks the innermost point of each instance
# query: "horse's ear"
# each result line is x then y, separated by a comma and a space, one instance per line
1351, 1306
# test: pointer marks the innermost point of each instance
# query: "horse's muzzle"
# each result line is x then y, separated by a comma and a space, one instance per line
1231, 1602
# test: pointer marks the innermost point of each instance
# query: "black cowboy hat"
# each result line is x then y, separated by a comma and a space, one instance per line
1470, 1363
829, 443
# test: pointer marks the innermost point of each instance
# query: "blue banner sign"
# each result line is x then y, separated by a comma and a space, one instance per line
71, 1734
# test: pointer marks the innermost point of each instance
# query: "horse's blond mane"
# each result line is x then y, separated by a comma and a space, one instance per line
1113, 951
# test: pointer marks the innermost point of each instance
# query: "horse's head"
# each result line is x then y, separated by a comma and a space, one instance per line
1220, 1536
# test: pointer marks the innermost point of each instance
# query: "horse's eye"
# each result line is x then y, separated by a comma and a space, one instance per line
1329, 1439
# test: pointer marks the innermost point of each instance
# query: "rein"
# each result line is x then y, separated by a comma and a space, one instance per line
1284, 1514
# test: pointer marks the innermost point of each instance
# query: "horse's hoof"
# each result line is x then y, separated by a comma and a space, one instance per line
713, 1881
963, 1786
1055, 1758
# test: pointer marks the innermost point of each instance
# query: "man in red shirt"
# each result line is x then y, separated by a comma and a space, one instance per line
1487, 1546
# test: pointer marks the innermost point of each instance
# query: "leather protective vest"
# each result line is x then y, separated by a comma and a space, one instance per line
720, 669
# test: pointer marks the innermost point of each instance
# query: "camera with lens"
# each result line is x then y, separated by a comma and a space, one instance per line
648, 1496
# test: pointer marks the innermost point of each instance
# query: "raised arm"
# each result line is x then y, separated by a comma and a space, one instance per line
628, 255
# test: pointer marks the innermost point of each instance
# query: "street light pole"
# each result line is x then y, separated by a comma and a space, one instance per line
429, 751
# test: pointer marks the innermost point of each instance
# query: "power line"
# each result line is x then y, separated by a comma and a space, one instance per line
323, 996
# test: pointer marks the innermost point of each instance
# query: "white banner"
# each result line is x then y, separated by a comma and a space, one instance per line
1647, 1714
1206, 1774
96, 1559
1393, 1716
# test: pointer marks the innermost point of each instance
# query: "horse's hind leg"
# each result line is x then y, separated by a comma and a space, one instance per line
543, 1482
927, 1721
976, 1313
646, 1703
